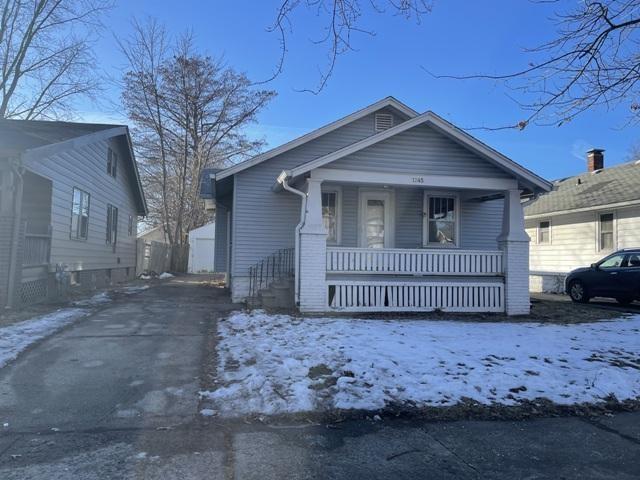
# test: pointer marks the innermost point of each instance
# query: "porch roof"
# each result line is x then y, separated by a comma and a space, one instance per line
525, 176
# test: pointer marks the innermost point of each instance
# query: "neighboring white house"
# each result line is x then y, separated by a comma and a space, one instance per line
202, 248
583, 219
383, 210
70, 198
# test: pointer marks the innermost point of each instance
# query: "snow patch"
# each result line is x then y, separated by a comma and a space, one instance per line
133, 289
98, 299
274, 364
165, 275
17, 337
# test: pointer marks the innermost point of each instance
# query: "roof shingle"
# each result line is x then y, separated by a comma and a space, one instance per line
609, 186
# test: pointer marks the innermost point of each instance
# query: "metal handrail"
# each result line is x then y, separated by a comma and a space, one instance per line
279, 264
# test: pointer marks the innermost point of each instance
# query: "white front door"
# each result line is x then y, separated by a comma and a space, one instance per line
376, 219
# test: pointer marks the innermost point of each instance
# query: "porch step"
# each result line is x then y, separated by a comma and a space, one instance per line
280, 295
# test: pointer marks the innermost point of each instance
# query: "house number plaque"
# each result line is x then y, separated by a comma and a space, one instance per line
417, 179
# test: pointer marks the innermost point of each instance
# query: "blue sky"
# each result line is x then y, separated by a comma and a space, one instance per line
458, 37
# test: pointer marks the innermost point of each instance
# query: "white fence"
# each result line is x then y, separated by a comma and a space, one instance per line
396, 296
414, 262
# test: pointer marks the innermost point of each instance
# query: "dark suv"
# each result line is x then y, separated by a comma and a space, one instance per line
615, 276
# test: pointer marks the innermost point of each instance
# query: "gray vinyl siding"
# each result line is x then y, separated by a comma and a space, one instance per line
409, 207
481, 224
85, 168
221, 239
420, 150
574, 239
349, 216
264, 221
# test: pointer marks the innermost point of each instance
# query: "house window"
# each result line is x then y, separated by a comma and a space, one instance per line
544, 232
112, 162
331, 215
442, 217
130, 229
112, 225
605, 240
80, 214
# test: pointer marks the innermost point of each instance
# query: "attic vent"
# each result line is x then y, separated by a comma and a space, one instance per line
384, 121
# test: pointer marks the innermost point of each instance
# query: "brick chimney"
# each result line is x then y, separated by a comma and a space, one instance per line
595, 159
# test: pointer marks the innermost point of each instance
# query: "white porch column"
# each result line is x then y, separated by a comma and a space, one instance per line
514, 243
313, 253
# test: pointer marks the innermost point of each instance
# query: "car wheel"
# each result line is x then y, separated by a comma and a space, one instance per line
624, 300
578, 292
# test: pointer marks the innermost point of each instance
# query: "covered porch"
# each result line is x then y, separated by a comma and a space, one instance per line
395, 242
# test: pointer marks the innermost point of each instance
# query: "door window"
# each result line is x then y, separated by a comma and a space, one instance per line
375, 223
376, 219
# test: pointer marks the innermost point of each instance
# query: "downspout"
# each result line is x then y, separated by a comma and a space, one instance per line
17, 206
282, 180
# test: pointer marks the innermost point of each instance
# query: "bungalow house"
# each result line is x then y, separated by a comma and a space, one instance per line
383, 210
583, 219
70, 197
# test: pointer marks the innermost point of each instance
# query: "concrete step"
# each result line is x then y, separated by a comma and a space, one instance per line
276, 297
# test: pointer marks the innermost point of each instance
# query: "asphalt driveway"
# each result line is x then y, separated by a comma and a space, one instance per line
115, 396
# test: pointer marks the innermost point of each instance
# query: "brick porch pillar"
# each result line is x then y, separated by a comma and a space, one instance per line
313, 253
514, 243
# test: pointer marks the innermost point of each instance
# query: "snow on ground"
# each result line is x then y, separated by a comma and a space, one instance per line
17, 337
132, 289
280, 364
165, 275
97, 299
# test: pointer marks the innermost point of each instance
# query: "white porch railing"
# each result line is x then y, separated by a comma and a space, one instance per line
378, 296
413, 262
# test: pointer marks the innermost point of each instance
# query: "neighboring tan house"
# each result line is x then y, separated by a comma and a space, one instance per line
383, 210
154, 234
70, 198
583, 219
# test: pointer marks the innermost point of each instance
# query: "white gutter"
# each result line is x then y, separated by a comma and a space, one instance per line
593, 208
282, 180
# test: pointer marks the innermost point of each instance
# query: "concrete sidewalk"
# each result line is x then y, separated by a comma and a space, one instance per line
115, 397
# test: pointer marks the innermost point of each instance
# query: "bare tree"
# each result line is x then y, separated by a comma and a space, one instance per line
45, 55
341, 19
189, 112
634, 152
593, 61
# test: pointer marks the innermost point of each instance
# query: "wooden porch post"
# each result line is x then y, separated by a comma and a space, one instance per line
313, 253
514, 243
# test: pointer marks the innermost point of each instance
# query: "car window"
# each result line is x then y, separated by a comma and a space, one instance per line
613, 261
633, 260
